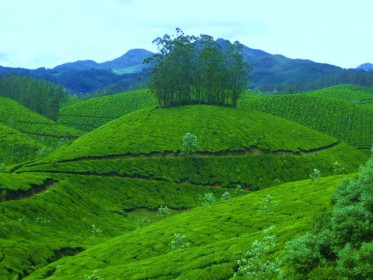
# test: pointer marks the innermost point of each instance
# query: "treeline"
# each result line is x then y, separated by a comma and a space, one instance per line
196, 70
346, 76
40, 96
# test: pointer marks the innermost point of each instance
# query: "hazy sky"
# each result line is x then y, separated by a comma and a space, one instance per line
36, 33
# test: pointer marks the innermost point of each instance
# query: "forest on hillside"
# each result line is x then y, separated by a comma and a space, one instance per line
40, 96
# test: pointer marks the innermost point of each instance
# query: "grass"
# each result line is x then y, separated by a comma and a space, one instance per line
346, 122
218, 237
93, 113
34, 125
57, 222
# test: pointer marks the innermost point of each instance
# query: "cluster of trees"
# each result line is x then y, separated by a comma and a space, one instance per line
196, 70
40, 96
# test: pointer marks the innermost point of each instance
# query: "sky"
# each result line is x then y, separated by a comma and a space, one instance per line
47, 33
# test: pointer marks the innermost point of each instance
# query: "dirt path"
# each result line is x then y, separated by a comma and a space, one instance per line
254, 150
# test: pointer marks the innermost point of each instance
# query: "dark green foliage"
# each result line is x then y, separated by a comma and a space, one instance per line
90, 114
196, 70
304, 253
40, 96
345, 242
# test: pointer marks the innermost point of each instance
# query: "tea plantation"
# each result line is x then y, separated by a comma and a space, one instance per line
345, 121
38, 127
126, 199
90, 114
235, 147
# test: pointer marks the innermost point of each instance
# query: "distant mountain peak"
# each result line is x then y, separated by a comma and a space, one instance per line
130, 62
77, 65
365, 67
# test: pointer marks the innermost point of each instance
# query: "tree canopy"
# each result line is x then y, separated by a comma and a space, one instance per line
197, 70
40, 96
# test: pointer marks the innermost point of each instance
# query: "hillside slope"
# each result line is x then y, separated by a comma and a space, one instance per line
90, 114
347, 122
16, 147
47, 217
34, 125
236, 147
218, 236
352, 94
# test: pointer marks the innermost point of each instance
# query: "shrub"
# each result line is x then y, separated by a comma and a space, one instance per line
226, 195
92, 276
96, 231
163, 211
238, 189
2, 167
144, 222
266, 205
315, 176
303, 253
255, 263
189, 144
337, 168
208, 199
179, 241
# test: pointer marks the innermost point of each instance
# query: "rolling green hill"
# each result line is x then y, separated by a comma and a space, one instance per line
346, 122
16, 147
46, 217
236, 147
354, 94
218, 236
90, 114
40, 128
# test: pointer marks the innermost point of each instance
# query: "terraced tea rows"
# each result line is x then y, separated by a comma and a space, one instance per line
77, 212
217, 237
236, 147
34, 125
90, 114
91, 209
350, 93
16, 147
347, 122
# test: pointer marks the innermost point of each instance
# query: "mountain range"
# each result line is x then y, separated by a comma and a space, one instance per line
268, 73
